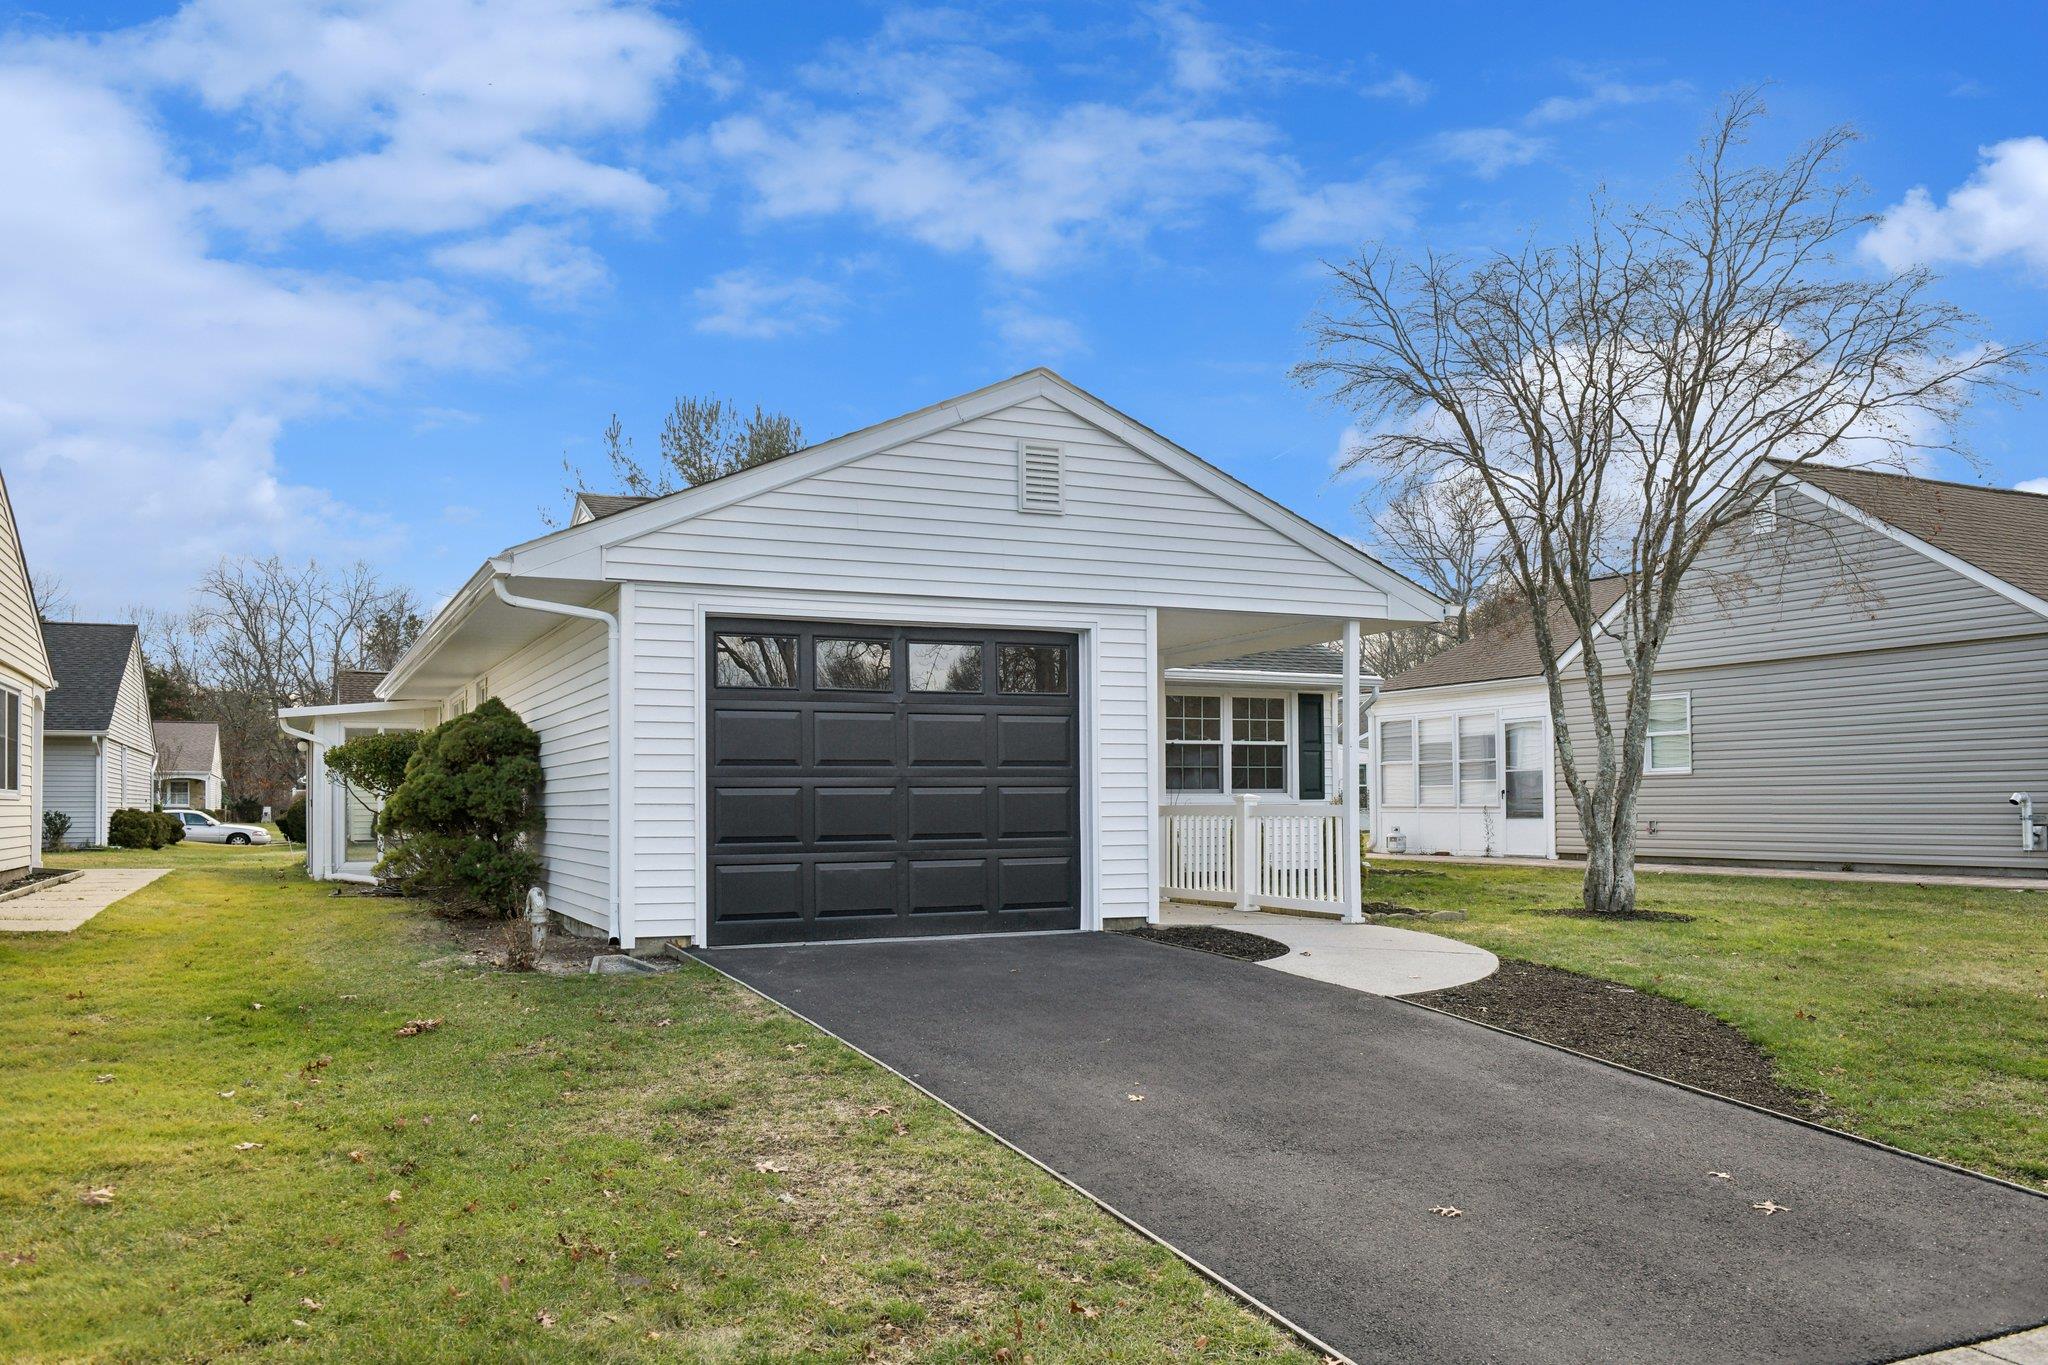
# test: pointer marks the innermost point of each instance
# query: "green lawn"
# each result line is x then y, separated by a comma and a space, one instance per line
1920, 1013
595, 1166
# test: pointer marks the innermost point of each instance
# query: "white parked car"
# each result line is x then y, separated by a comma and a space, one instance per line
202, 828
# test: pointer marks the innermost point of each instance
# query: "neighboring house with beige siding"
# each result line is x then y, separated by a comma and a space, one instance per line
25, 681
98, 745
1855, 680
920, 679
188, 760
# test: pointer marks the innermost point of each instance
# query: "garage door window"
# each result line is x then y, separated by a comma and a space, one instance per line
756, 660
944, 667
1023, 670
854, 665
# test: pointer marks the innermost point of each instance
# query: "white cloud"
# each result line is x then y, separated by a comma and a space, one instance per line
1600, 95
1489, 151
2032, 486
414, 115
932, 134
1399, 85
1340, 214
546, 260
2000, 212
1204, 58
749, 303
1032, 337
143, 379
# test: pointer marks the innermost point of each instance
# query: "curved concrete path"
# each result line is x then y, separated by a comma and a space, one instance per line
1365, 957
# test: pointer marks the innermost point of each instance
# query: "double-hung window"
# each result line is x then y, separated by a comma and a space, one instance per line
1478, 761
1226, 744
1670, 746
1194, 744
1397, 763
10, 741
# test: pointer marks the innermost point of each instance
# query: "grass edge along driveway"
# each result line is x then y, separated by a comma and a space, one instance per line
558, 1167
1919, 1014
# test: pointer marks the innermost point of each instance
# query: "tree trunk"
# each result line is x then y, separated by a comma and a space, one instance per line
1610, 886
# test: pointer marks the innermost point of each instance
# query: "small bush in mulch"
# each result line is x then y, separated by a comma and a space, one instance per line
1211, 938
1608, 917
1617, 1023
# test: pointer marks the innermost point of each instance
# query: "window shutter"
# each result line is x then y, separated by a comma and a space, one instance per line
1310, 748
1041, 481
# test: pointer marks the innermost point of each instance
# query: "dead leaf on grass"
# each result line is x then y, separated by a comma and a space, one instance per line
98, 1194
310, 1305
1082, 1310
358, 1157
247, 1146
770, 1167
544, 1318
103, 1078
393, 1197
227, 1094
412, 1028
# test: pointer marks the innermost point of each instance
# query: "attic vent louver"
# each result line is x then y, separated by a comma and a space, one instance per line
1041, 482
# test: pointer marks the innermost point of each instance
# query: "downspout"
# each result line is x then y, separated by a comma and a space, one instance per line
99, 790
617, 764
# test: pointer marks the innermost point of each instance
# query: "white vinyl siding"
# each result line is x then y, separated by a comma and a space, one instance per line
558, 685
69, 769
943, 510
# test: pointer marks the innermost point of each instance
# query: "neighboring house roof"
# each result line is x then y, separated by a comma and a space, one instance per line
353, 686
1310, 661
88, 660
605, 504
186, 746
2001, 531
1506, 650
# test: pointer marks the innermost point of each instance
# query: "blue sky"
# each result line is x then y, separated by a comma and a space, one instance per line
353, 279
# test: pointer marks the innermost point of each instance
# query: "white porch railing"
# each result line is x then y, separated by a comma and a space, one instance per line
1282, 856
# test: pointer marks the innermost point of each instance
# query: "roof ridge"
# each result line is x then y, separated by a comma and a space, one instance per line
1800, 470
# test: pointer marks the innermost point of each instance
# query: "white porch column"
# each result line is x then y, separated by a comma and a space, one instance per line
1349, 863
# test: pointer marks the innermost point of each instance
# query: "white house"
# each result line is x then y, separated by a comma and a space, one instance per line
909, 681
1852, 681
99, 752
188, 765
25, 680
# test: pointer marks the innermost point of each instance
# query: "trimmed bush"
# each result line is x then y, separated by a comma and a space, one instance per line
170, 829
466, 813
292, 822
56, 824
375, 763
131, 828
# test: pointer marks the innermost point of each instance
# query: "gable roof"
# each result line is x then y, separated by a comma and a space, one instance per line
1308, 661
606, 504
186, 746
1503, 651
356, 685
89, 660
1999, 531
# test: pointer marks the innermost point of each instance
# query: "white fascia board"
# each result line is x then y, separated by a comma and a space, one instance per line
1491, 689
72, 734
360, 708
1912, 542
1601, 625
452, 614
1300, 682
547, 555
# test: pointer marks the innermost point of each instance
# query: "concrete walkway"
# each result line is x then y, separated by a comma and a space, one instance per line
1703, 870
1365, 957
61, 908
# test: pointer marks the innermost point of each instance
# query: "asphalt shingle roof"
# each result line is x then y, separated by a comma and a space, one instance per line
605, 504
1507, 650
186, 746
354, 686
1308, 660
2002, 531
88, 660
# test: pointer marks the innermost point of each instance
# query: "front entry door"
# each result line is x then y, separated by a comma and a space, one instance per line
1525, 792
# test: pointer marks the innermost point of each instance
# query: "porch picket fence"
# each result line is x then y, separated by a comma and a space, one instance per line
1283, 858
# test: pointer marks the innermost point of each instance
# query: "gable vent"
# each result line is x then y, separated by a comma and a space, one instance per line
1041, 477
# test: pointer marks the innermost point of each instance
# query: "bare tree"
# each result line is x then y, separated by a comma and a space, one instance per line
52, 596
1627, 396
1444, 534
701, 439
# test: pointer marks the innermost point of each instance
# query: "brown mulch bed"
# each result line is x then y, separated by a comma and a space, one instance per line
1211, 938
1616, 1023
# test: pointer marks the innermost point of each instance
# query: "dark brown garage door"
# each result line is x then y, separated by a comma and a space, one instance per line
882, 782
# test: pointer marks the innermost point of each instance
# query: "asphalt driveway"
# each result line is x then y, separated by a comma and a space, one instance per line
1295, 1136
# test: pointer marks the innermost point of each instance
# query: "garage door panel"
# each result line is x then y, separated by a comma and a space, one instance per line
838, 814
752, 739
759, 893
948, 740
1034, 741
744, 816
854, 738
1035, 813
